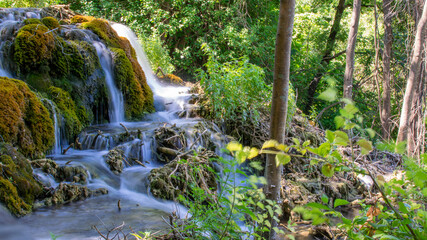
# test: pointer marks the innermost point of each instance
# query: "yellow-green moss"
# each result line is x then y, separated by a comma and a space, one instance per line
50, 22
68, 109
25, 122
68, 59
134, 96
135, 100
33, 46
32, 21
81, 19
18, 188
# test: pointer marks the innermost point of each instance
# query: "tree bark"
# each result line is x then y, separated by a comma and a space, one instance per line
351, 46
279, 102
413, 79
387, 76
326, 56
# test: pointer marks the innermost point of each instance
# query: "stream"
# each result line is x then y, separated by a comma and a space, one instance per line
138, 209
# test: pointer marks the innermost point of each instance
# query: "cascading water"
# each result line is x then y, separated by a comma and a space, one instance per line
116, 106
57, 146
167, 98
138, 208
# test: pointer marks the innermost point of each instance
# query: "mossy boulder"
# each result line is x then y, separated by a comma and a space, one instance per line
62, 173
33, 46
142, 93
18, 188
25, 122
68, 110
137, 101
32, 21
81, 19
50, 22
66, 193
115, 159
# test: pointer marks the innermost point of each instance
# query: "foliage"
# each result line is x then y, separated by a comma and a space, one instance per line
236, 88
239, 209
157, 54
27, 3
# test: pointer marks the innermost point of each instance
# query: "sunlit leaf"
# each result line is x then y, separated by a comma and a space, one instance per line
366, 146
330, 136
371, 132
283, 158
328, 95
296, 141
269, 144
281, 147
328, 170
339, 122
318, 205
348, 111
234, 146
341, 138
339, 202
241, 157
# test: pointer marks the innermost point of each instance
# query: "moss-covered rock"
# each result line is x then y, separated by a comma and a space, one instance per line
32, 21
103, 29
115, 159
50, 22
68, 110
81, 19
25, 122
18, 188
66, 193
63, 173
33, 47
136, 101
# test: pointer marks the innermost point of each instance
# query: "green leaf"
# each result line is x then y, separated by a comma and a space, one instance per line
314, 162
371, 132
339, 122
296, 141
339, 202
402, 207
330, 136
348, 111
329, 95
241, 157
269, 144
253, 153
282, 158
317, 205
325, 199
234, 146
349, 126
341, 138
366, 146
328, 170
401, 147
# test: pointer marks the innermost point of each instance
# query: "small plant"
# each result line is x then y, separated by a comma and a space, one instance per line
157, 54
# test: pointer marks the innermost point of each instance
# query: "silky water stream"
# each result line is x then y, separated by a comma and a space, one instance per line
138, 209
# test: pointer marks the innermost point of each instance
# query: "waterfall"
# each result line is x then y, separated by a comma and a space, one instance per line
172, 98
57, 147
6, 31
116, 104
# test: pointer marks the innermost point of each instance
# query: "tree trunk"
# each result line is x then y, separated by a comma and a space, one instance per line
413, 79
279, 102
326, 56
387, 56
351, 46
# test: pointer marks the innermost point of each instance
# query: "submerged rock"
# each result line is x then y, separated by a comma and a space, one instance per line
115, 159
66, 193
64, 173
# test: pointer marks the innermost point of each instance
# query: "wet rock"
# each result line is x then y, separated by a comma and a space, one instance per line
66, 193
64, 173
115, 159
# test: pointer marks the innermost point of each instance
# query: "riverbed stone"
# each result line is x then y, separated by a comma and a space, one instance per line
115, 159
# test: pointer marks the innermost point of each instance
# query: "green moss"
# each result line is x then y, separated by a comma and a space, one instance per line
135, 100
25, 122
33, 47
68, 109
81, 19
18, 188
32, 21
50, 22
103, 29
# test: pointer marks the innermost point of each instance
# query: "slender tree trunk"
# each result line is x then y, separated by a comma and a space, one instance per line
387, 76
413, 79
326, 56
351, 46
279, 102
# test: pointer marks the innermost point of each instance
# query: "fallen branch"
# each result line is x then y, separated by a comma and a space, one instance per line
68, 148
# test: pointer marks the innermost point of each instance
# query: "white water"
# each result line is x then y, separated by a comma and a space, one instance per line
116, 103
171, 97
6, 27
57, 146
